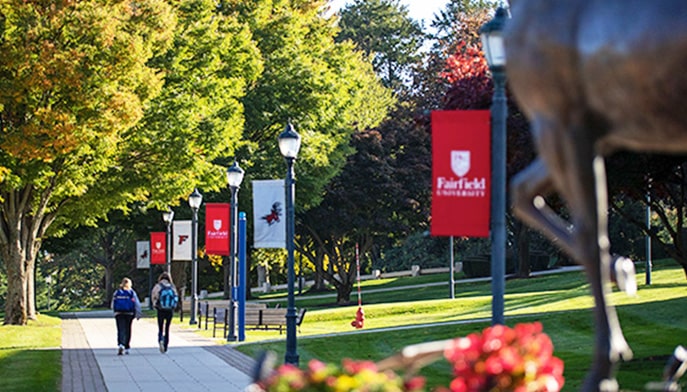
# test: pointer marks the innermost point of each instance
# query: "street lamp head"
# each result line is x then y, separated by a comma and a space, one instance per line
195, 199
491, 34
289, 142
168, 216
235, 175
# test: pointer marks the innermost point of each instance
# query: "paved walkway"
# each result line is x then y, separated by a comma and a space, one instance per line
192, 363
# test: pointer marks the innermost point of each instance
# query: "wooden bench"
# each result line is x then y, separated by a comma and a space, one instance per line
270, 318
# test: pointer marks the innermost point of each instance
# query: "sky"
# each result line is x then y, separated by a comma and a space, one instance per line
419, 9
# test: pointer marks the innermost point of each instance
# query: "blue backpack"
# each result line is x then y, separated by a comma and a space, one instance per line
168, 298
124, 301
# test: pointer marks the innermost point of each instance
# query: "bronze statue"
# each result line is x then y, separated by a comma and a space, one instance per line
594, 77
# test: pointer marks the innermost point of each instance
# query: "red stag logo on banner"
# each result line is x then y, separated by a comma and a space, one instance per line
461, 170
158, 251
217, 228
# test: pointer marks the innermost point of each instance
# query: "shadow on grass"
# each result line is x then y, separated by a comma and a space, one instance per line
20, 373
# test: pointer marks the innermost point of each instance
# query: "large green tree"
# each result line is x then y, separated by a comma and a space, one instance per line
380, 197
105, 104
384, 31
326, 88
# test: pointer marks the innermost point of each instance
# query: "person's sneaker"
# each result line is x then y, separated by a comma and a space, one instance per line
162, 346
165, 348
126, 351
121, 349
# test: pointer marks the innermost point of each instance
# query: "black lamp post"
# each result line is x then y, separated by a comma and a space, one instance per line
491, 35
168, 217
194, 201
289, 144
234, 178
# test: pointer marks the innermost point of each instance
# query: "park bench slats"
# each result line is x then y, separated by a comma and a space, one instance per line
270, 318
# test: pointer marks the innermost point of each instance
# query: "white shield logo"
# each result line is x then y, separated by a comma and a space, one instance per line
158, 245
217, 224
460, 162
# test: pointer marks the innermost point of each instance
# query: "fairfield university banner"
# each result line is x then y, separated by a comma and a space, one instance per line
461, 173
181, 240
217, 228
158, 249
269, 221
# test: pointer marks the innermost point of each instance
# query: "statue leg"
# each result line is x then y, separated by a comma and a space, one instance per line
569, 165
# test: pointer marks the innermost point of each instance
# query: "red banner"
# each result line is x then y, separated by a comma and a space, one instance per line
158, 248
461, 173
217, 228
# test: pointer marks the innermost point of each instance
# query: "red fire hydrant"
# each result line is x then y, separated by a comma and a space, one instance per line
359, 318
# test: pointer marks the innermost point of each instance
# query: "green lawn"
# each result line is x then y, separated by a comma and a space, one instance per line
30, 356
654, 322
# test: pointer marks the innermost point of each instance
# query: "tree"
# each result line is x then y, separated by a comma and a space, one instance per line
381, 196
384, 31
663, 178
326, 88
471, 88
456, 25
82, 131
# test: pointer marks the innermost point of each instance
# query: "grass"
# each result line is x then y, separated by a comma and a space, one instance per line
30, 356
654, 322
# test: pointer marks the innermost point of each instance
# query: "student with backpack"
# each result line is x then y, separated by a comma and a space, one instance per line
166, 299
126, 307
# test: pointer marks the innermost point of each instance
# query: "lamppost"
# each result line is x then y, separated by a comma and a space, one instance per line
289, 144
491, 35
194, 201
234, 178
167, 217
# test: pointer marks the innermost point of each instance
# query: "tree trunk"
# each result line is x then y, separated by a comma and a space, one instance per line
343, 293
15, 305
31, 312
319, 273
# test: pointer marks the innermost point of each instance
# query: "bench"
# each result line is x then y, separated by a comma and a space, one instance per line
185, 307
270, 318
219, 318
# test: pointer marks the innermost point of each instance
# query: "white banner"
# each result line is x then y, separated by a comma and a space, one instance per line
269, 211
181, 241
142, 254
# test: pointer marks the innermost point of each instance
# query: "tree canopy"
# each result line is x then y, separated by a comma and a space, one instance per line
384, 31
104, 105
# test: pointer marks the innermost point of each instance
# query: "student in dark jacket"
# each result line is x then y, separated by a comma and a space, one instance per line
126, 307
164, 315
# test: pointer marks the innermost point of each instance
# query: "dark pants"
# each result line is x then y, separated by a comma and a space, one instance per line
124, 329
164, 319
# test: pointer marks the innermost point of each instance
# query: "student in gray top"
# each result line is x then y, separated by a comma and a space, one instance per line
165, 297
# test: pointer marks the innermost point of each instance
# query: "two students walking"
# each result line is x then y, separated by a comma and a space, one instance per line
127, 306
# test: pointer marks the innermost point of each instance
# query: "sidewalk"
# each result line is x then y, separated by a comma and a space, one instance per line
192, 363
